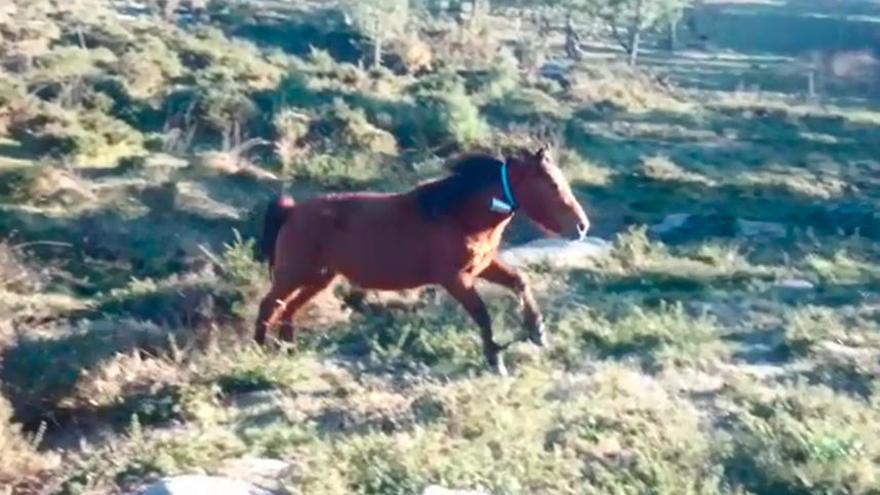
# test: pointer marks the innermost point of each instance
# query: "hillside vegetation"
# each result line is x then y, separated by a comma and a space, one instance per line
728, 344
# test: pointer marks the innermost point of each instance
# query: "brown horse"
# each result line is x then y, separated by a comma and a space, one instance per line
444, 232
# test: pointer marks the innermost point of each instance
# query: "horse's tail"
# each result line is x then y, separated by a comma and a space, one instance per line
276, 215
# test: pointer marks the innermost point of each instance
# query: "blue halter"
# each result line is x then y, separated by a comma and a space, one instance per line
508, 204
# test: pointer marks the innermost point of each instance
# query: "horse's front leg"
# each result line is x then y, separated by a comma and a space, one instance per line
462, 289
505, 276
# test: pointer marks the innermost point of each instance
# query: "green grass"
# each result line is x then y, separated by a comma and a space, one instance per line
133, 179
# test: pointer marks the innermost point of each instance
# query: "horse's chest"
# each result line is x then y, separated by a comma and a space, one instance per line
480, 255
481, 250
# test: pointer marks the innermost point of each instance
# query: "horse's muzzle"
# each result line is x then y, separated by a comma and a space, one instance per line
582, 228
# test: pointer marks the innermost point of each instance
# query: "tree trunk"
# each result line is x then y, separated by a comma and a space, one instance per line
672, 35
635, 34
634, 42
572, 40
476, 7
377, 51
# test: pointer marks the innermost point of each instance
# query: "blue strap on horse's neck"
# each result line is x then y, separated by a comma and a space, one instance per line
508, 205
505, 184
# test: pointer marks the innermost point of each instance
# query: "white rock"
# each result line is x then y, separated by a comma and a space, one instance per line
196, 484
751, 228
795, 284
847, 352
257, 470
439, 490
165, 160
670, 223
556, 252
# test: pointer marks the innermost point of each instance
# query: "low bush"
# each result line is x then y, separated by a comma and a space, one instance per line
20, 460
85, 136
447, 114
349, 127
804, 440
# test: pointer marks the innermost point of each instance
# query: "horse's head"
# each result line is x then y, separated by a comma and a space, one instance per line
544, 195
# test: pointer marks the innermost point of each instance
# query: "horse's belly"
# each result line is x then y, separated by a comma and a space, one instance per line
381, 278
383, 266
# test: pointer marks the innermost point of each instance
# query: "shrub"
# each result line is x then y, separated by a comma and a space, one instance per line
415, 55
351, 128
47, 185
532, 53
209, 48
661, 168
16, 274
842, 268
85, 136
218, 104
138, 457
501, 77
12, 99
449, 344
470, 48
667, 336
44, 374
807, 327
632, 436
178, 300
342, 170
68, 63
612, 431
148, 69
447, 115
527, 105
19, 454
624, 89
291, 128
242, 276
804, 440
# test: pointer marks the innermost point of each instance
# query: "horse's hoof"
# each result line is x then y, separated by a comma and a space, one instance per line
538, 334
499, 368
496, 363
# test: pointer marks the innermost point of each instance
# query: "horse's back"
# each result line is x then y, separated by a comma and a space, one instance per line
376, 240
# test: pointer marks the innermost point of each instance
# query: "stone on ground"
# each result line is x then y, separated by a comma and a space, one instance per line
196, 484
558, 253
439, 490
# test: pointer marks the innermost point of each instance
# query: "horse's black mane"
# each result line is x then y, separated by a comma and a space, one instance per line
471, 174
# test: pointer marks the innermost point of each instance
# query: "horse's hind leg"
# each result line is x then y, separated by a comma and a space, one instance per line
302, 297
291, 289
465, 293
272, 308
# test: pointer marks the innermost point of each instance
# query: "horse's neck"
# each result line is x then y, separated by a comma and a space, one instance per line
478, 221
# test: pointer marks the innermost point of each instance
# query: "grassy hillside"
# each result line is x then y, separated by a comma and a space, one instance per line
729, 344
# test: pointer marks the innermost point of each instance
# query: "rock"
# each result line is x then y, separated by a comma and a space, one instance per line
257, 470
750, 228
163, 160
671, 223
795, 284
439, 490
556, 252
192, 197
556, 71
681, 226
259, 408
863, 355
260, 400
197, 484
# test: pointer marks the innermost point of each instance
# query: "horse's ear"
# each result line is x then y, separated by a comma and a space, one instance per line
542, 152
